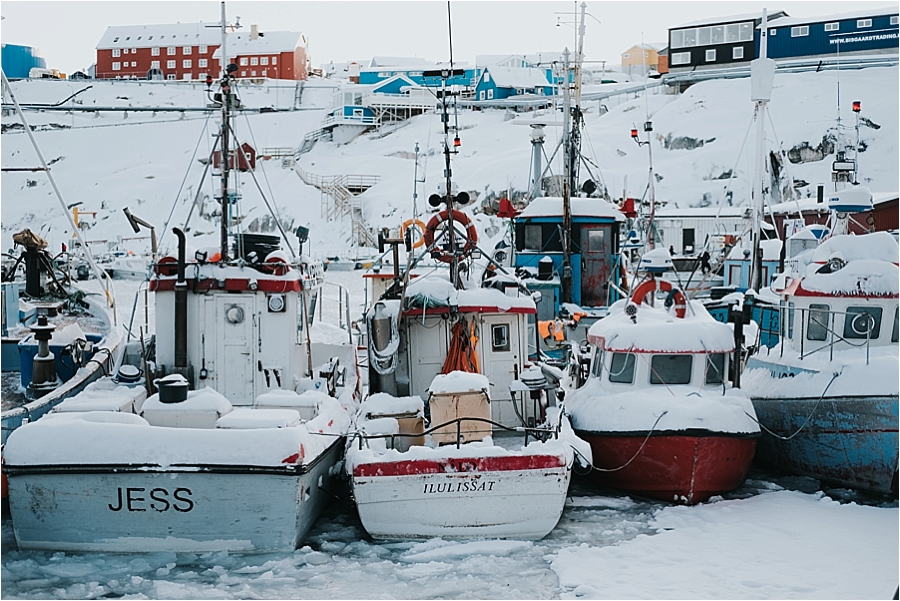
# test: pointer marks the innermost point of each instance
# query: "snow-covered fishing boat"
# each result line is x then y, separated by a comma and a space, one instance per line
657, 409
459, 340
826, 393
237, 449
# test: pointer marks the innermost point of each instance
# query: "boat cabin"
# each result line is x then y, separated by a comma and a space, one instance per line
594, 252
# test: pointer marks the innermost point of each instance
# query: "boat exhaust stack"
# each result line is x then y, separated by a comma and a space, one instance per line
43, 374
181, 362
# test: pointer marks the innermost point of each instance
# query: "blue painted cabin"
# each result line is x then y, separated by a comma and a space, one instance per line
594, 246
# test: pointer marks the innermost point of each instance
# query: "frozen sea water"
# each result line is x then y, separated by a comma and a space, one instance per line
339, 561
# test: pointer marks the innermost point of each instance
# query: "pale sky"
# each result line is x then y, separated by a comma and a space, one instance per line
66, 33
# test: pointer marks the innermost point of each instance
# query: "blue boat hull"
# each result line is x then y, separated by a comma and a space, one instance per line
848, 441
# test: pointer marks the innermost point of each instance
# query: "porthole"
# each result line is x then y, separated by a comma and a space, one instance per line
234, 314
276, 303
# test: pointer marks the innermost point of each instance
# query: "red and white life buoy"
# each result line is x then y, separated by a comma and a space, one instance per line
651, 286
458, 217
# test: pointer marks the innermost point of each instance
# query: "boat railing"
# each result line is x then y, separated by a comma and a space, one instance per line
142, 294
826, 319
541, 434
342, 306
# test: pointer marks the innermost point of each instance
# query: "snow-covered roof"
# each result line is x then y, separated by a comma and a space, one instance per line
437, 292
398, 61
523, 77
458, 382
269, 42
658, 330
548, 206
172, 34
862, 13
773, 15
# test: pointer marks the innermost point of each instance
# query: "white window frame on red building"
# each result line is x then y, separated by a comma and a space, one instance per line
117, 66
186, 50
116, 53
154, 51
170, 51
264, 60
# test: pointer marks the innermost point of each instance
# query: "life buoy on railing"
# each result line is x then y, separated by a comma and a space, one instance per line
651, 286
419, 225
462, 219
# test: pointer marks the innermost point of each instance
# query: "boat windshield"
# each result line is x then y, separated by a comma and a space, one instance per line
621, 369
715, 368
671, 369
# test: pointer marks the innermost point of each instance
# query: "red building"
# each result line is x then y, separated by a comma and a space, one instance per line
187, 51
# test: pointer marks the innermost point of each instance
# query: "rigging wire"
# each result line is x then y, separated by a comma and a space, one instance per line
165, 228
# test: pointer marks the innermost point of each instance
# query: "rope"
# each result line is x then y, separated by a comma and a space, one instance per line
778, 436
627, 463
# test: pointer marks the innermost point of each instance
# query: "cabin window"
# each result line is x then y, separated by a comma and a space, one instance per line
896, 324
597, 368
862, 322
671, 369
533, 237
715, 368
817, 327
621, 369
500, 337
596, 241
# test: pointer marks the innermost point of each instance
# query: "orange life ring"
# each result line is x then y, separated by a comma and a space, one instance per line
421, 227
437, 220
651, 285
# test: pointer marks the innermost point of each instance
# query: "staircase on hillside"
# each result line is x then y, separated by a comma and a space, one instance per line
340, 198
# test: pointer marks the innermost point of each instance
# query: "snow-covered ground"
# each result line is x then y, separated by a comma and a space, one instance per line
149, 161
763, 542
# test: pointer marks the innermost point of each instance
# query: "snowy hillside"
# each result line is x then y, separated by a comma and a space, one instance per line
150, 163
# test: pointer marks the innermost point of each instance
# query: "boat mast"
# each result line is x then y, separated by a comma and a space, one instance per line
226, 106
572, 154
762, 75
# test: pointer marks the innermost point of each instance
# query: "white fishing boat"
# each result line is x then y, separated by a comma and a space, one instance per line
491, 453
237, 446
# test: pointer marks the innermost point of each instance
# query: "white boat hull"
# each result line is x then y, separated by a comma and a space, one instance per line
462, 497
191, 509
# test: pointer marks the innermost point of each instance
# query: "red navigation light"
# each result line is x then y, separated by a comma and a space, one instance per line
634, 133
456, 143
209, 80
857, 106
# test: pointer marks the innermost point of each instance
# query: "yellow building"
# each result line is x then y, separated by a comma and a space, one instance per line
641, 58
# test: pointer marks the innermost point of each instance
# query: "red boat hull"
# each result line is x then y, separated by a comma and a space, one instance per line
677, 467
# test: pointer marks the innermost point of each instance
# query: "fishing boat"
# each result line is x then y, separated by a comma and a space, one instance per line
491, 452
248, 401
657, 409
826, 393
57, 335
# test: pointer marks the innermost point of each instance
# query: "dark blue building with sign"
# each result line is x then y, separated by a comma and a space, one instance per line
860, 32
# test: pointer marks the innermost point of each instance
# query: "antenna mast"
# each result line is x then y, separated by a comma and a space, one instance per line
762, 76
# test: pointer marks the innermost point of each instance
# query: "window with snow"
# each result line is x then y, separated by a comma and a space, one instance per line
244, 61
201, 63
186, 50
264, 60
186, 63
621, 368
799, 32
817, 324
832, 26
671, 369
154, 51
862, 322
737, 52
117, 52
715, 368
116, 66
170, 64
170, 50
254, 61
681, 58
711, 55
861, 23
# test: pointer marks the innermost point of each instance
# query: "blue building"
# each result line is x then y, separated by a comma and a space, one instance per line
19, 60
497, 83
384, 68
859, 32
